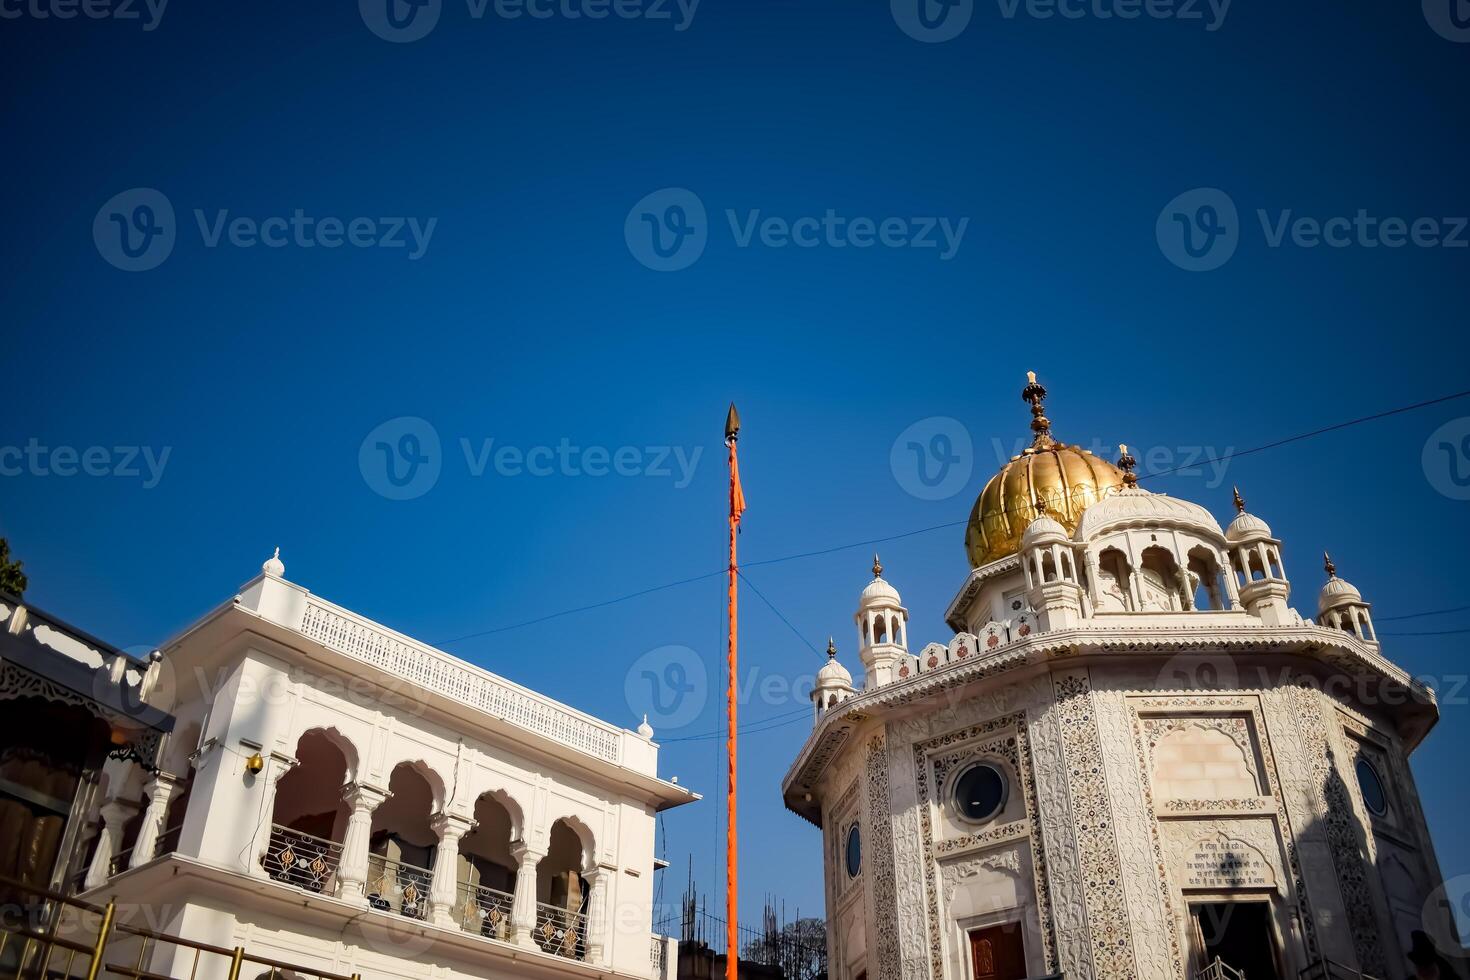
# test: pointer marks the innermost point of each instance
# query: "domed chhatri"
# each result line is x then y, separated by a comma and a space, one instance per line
1067, 478
1245, 525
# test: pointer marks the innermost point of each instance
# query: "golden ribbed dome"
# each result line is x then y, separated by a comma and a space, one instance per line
1066, 478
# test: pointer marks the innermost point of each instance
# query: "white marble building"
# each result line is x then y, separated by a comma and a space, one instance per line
341, 796
1133, 757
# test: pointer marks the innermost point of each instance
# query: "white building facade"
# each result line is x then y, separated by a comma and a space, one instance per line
341, 796
1133, 759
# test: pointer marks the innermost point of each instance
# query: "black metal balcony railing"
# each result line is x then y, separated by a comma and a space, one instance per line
393, 886
560, 931
302, 860
483, 911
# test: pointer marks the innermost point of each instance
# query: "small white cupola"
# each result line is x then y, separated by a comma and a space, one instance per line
273, 565
1255, 562
883, 631
1053, 587
834, 683
1341, 606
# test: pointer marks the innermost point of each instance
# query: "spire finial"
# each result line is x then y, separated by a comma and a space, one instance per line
1126, 462
831, 649
1239, 501
274, 566
1328, 566
732, 424
877, 566
1034, 394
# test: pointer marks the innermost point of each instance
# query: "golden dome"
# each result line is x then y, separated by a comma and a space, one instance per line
1066, 478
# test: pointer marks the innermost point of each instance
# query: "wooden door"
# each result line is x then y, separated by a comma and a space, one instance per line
998, 953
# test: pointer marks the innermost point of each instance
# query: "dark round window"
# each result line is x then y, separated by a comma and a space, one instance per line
980, 792
1374, 798
854, 848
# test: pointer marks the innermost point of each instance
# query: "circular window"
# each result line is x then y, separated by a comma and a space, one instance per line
1374, 797
854, 851
980, 792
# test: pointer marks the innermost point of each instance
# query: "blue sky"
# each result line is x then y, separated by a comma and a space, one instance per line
527, 152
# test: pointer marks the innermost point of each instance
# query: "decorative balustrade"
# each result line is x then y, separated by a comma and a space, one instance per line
393, 886
483, 911
658, 955
438, 671
300, 859
560, 931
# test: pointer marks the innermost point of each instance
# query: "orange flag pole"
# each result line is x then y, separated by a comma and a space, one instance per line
732, 864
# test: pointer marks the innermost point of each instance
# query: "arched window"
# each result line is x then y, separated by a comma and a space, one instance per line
486, 871
562, 892
1113, 578
402, 844
1204, 577
1159, 581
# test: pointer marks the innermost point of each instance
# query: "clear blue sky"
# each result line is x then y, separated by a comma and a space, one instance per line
529, 319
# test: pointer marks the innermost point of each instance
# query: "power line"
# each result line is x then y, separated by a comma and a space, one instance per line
1432, 612
761, 595
952, 524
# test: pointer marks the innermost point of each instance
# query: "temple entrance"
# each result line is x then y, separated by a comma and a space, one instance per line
998, 953
1239, 934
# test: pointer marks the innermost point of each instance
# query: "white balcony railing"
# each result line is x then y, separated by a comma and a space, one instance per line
438, 671
560, 931
302, 860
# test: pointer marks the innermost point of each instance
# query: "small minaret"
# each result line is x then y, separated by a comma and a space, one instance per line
834, 683
1341, 606
883, 631
1053, 587
1255, 565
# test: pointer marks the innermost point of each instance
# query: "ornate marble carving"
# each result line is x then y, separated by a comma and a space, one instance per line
1336, 815
1250, 707
1006, 738
885, 900
1102, 871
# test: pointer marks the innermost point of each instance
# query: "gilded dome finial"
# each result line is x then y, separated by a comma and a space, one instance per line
1239, 501
831, 649
877, 566
1328, 566
1126, 462
1034, 394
